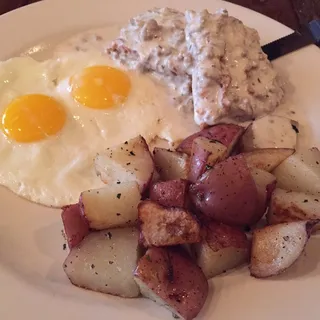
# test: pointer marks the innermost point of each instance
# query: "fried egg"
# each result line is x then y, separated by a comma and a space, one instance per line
88, 41
57, 115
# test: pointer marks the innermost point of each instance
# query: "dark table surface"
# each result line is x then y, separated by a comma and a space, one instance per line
290, 12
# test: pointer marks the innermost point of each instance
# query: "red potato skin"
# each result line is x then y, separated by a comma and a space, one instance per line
228, 194
76, 227
198, 162
172, 193
175, 279
145, 187
264, 201
224, 133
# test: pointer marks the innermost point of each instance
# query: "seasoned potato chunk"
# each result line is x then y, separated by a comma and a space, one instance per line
172, 193
161, 226
226, 133
111, 206
129, 161
76, 227
172, 280
300, 172
222, 248
275, 248
171, 165
105, 261
267, 159
288, 206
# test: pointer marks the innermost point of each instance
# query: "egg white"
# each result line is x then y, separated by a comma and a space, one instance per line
56, 170
87, 41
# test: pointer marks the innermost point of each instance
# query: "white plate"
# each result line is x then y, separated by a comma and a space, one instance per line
33, 285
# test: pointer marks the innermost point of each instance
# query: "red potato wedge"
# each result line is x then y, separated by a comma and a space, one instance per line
171, 193
205, 153
275, 248
228, 193
267, 159
171, 165
286, 206
129, 161
105, 262
300, 172
161, 226
227, 134
172, 280
112, 206
221, 249
270, 132
265, 183
75, 225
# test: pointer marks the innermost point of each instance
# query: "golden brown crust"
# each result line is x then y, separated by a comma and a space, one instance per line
162, 226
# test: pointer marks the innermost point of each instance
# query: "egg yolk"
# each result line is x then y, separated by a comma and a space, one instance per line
100, 87
33, 117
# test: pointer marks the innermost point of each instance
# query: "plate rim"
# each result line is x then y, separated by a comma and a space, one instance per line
11, 282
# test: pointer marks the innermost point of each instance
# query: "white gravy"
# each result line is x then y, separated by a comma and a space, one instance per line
213, 60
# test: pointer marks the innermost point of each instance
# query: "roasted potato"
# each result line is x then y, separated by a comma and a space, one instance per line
171, 165
172, 193
76, 227
112, 206
222, 248
288, 206
205, 153
275, 248
155, 177
161, 226
228, 193
129, 161
267, 159
172, 280
265, 183
105, 262
262, 134
227, 134
300, 172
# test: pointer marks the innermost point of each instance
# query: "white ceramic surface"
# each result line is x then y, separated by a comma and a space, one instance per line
32, 283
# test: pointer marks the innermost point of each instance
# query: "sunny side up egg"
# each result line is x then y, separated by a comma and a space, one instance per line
57, 115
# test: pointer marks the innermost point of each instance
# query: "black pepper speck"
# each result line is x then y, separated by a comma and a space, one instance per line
108, 235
